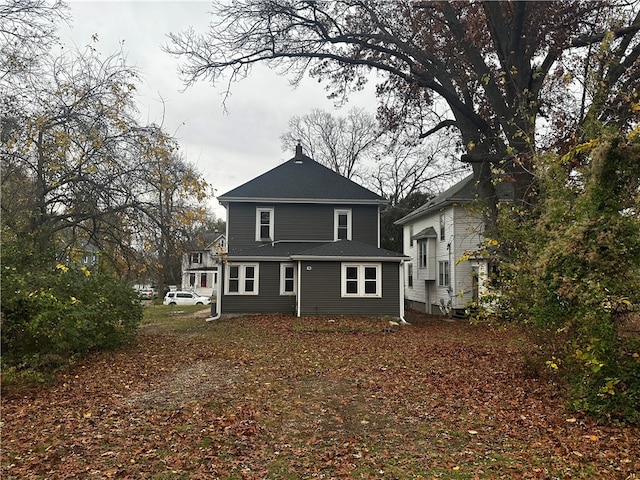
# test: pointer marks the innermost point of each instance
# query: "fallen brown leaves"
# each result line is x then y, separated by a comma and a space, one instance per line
280, 397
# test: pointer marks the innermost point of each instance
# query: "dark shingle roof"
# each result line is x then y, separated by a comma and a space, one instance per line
347, 249
339, 250
301, 179
275, 250
462, 192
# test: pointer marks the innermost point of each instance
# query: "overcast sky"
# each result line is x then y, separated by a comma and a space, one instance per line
228, 148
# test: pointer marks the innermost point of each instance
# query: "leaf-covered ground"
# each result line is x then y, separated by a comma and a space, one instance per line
284, 398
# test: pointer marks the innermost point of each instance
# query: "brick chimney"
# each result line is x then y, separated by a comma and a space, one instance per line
299, 156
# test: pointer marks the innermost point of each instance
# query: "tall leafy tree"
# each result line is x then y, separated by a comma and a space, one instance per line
78, 167
171, 205
75, 143
496, 68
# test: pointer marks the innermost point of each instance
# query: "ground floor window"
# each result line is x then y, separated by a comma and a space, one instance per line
361, 280
410, 274
443, 274
242, 279
287, 279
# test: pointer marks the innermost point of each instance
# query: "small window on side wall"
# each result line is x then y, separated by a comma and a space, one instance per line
287, 279
443, 274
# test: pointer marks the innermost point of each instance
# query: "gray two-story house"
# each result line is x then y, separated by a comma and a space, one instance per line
304, 240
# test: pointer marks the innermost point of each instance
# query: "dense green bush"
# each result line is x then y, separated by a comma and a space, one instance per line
571, 269
50, 313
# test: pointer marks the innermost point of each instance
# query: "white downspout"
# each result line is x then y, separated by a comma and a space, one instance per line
298, 290
220, 273
401, 282
218, 296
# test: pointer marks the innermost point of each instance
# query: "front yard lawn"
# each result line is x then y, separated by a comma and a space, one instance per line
279, 397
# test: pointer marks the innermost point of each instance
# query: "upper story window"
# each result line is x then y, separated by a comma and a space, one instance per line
422, 253
442, 232
196, 257
264, 224
411, 235
342, 224
361, 280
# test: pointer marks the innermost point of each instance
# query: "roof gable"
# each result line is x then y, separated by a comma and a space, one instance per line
302, 180
462, 192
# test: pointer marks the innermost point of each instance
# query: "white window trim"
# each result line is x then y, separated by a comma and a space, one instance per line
336, 213
444, 274
423, 260
361, 281
283, 267
410, 277
259, 210
242, 268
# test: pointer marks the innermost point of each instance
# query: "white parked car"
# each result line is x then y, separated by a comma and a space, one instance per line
185, 298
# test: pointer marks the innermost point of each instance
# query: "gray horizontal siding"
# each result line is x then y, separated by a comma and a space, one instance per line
269, 299
321, 292
299, 222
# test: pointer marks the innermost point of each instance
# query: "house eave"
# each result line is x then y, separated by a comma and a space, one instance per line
433, 208
248, 258
225, 201
347, 258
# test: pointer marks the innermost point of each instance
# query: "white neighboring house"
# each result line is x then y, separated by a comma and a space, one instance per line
200, 264
436, 236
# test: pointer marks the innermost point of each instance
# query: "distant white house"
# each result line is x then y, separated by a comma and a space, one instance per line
436, 236
200, 263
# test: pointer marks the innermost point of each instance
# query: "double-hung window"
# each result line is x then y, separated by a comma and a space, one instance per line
196, 257
287, 279
242, 279
361, 280
410, 274
342, 224
442, 228
422, 253
264, 224
443, 274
